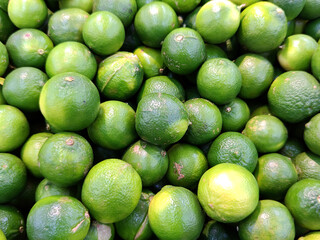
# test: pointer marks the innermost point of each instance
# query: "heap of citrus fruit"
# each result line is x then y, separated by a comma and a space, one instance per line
172, 119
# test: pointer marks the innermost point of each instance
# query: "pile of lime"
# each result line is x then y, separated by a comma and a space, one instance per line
171, 120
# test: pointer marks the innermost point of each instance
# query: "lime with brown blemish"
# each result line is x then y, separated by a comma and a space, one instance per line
291, 8
12, 223
98, 231
58, 217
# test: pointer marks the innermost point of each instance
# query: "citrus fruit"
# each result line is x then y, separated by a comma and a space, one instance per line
170, 219
205, 119
190, 19
233, 147
296, 52
272, 169
228, 192
141, 3
315, 63
268, 215
66, 25
58, 217
22, 88
14, 128
30, 152
6, 26
267, 133
214, 230
65, 158
183, 51
312, 29
219, 80
294, 96
13, 177
12, 223
103, 32
183, 6
85, 5
262, 110
125, 10
66, 98
136, 225
27, 13
187, 163
4, 5
2, 100
244, 3
47, 188
257, 75
120, 76
71, 57
311, 134
214, 51
290, 8
302, 200
150, 161
311, 236
29, 48
292, 148
161, 119
114, 127
218, 21
2, 236
4, 59
99, 231
154, 21
235, 115
310, 10
307, 165
263, 27
151, 61
162, 84
111, 190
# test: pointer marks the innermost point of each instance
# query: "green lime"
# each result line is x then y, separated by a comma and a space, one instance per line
125, 10
302, 200
136, 225
4, 59
267, 133
151, 61
217, 21
98, 231
30, 152
183, 51
103, 32
85, 5
65, 159
2, 236
219, 80
312, 29
154, 21
111, 190
242, 3
262, 110
47, 188
235, 115
13, 177
12, 223
292, 148
183, 6
27, 13
29, 48
71, 57
307, 165
150, 161
190, 19
228, 192
171, 219
272, 169
161, 119
294, 96
205, 119
14, 128
311, 10
233, 147
114, 127
141, 3
162, 84
311, 134
4, 5
66, 25
214, 230
311, 236
296, 52
263, 27
66, 98
6, 26
22, 88
187, 163
120, 76
214, 51
291, 8
257, 75
58, 217
315, 63
270, 220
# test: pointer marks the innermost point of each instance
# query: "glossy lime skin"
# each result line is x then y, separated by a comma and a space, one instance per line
307, 165
27, 13
291, 8
315, 63
312, 29
71, 57
154, 21
292, 148
311, 134
214, 51
302, 200
6, 26
183, 6
268, 215
29, 48
99, 230
4, 59
12, 223
85, 5
310, 10
13, 177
